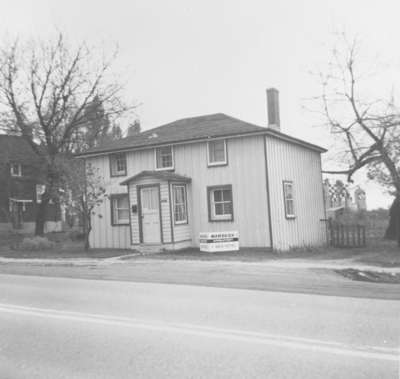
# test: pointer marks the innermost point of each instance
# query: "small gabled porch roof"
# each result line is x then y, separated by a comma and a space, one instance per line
161, 175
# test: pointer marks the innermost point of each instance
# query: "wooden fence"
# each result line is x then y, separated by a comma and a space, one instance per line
342, 235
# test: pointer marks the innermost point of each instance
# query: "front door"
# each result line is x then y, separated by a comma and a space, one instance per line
17, 215
150, 214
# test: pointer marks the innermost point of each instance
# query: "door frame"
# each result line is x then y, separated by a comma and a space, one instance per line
17, 216
139, 199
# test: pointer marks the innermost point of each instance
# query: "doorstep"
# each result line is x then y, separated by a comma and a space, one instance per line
146, 249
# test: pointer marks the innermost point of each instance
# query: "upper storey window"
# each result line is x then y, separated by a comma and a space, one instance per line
164, 158
217, 155
16, 169
118, 164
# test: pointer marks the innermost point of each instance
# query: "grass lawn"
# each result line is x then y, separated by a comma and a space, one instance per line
377, 253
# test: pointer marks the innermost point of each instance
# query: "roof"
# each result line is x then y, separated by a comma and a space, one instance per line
191, 130
163, 175
16, 148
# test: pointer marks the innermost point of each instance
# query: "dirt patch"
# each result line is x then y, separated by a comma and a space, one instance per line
370, 276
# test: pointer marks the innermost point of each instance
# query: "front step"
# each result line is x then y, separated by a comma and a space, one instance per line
149, 249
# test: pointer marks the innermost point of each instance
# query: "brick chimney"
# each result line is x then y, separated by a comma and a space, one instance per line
273, 109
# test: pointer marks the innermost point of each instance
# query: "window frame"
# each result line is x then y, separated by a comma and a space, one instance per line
19, 173
285, 183
172, 158
219, 163
211, 215
113, 159
181, 222
114, 197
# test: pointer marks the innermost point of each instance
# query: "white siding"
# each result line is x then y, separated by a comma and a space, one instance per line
103, 234
245, 171
165, 212
134, 216
303, 167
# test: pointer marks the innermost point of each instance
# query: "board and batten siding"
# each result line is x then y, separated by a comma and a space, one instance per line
103, 234
246, 173
302, 166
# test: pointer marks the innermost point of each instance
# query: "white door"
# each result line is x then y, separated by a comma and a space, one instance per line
150, 203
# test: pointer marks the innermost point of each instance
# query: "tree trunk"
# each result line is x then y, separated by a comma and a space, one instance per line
87, 227
87, 243
41, 215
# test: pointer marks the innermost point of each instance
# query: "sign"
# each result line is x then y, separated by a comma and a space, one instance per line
219, 241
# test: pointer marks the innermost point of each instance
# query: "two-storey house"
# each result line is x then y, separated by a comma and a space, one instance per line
21, 186
208, 174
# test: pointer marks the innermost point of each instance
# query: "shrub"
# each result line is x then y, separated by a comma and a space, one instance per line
36, 243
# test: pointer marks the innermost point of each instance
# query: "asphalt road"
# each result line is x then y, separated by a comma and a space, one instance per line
76, 328
222, 274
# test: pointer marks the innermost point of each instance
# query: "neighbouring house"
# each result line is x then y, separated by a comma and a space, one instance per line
21, 187
210, 173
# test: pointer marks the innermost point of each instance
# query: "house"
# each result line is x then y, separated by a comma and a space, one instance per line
210, 173
21, 186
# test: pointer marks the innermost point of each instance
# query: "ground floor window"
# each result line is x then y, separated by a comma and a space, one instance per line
179, 203
119, 209
220, 204
288, 198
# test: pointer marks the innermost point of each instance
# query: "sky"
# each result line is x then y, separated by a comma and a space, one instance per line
184, 58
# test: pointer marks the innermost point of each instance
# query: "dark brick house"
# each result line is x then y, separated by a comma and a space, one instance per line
21, 185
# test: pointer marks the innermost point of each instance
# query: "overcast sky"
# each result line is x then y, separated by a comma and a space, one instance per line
187, 58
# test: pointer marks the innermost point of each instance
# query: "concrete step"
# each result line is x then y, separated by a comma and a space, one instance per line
149, 249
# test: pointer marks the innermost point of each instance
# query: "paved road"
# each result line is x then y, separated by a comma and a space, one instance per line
244, 275
75, 328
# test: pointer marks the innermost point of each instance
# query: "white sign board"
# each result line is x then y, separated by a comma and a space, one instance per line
219, 241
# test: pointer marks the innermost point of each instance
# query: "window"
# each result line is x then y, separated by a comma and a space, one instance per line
179, 201
16, 169
119, 209
40, 189
118, 164
220, 205
164, 158
217, 153
288, 199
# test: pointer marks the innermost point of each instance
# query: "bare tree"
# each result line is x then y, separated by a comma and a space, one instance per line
46, 89
368, 131
85, 191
